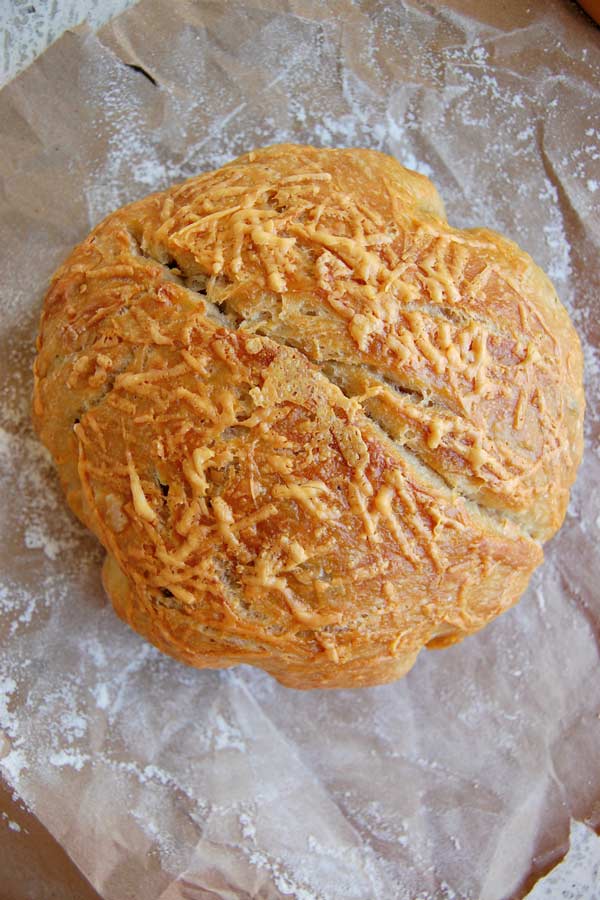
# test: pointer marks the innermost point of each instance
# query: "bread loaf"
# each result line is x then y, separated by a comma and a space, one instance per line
315, 427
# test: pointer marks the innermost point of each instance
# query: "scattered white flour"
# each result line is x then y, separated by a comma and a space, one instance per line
36, 539
68, 758
283, 882
14, 826
13, 765
8, 721
46, 524
393, 792
248, 827
226, 736
101, 696
28, 28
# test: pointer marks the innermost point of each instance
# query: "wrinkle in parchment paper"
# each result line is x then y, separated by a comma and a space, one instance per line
457, 782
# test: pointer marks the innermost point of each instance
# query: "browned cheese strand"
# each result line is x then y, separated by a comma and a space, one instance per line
315, 427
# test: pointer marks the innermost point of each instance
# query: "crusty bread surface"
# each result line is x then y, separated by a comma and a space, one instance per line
315, 427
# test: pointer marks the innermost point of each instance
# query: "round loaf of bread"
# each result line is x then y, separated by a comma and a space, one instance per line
315, 427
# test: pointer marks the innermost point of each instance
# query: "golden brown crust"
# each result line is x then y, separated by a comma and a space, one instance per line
315, 427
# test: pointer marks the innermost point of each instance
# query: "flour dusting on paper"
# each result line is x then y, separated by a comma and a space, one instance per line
457, 783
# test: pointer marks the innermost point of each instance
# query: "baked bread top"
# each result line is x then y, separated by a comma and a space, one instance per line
315, 427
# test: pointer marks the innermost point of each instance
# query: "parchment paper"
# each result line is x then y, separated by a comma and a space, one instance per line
459, 781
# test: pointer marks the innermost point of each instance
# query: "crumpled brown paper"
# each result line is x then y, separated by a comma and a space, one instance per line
457, 782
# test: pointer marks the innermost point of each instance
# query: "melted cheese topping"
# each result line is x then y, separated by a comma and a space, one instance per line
140, 503
308, 407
